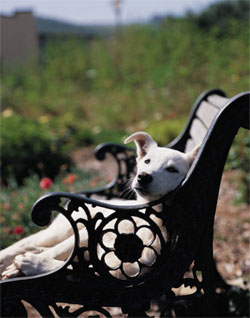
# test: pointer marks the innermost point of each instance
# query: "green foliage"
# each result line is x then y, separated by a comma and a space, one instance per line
165, 131
16, 202
221, 14
28, 148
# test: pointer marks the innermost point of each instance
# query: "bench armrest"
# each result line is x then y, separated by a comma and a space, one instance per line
123, 224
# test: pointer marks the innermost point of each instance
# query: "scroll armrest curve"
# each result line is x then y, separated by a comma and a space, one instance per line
42, 209
124, 158
112, 148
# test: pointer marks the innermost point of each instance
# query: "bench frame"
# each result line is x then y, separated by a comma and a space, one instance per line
188, 214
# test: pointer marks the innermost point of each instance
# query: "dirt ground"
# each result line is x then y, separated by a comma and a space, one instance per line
232, 234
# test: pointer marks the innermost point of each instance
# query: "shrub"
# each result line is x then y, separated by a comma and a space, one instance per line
27, 148
221, 14
166, 130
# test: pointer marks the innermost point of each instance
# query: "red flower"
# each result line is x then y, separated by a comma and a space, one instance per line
19, 230
45, 183
70, 179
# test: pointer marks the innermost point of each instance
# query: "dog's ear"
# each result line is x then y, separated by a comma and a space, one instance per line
193, 153
143, 142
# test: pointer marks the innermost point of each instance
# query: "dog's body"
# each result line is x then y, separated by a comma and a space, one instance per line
159, 171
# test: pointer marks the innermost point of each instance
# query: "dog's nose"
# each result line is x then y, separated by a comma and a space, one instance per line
144, 178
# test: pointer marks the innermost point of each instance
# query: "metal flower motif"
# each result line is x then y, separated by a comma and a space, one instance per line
128, 248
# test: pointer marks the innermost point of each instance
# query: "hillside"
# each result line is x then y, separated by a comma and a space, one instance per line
46, 25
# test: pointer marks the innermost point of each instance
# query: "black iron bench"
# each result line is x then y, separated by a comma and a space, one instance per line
187, 213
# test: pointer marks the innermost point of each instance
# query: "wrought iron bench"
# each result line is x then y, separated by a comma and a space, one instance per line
187, 213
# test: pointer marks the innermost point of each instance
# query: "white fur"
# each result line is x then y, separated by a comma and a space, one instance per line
161, 159
48, 249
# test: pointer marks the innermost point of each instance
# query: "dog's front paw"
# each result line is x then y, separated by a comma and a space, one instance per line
8, 255
31, 264
11, 271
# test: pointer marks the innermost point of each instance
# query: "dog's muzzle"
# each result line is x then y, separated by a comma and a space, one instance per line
144, 179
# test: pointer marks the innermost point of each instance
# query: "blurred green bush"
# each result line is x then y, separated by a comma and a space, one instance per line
42, 147
27, 148
166, 131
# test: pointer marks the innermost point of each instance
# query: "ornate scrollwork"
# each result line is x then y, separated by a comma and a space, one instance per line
128, 246
122, 244
125, 162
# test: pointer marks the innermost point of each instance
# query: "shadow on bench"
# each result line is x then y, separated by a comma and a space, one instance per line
187, 213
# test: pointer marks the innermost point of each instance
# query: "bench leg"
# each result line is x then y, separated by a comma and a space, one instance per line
208, 274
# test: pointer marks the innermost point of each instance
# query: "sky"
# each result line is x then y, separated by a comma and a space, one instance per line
102, 11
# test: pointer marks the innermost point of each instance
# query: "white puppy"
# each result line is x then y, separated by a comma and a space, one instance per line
159, 171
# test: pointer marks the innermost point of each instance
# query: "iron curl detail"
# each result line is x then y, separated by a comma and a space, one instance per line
42, 209
126, 245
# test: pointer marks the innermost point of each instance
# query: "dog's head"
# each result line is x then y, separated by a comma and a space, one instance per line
159, 169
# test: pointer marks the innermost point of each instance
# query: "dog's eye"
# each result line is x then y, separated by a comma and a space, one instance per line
147, 161
172, 169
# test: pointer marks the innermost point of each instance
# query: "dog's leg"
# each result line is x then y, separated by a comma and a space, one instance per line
62, 250
31, 264
49, 260
26, 244
38, 242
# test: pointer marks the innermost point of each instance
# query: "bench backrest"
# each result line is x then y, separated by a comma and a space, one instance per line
204, 117
206, 107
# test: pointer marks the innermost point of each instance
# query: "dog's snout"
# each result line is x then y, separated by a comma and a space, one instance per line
144, 178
